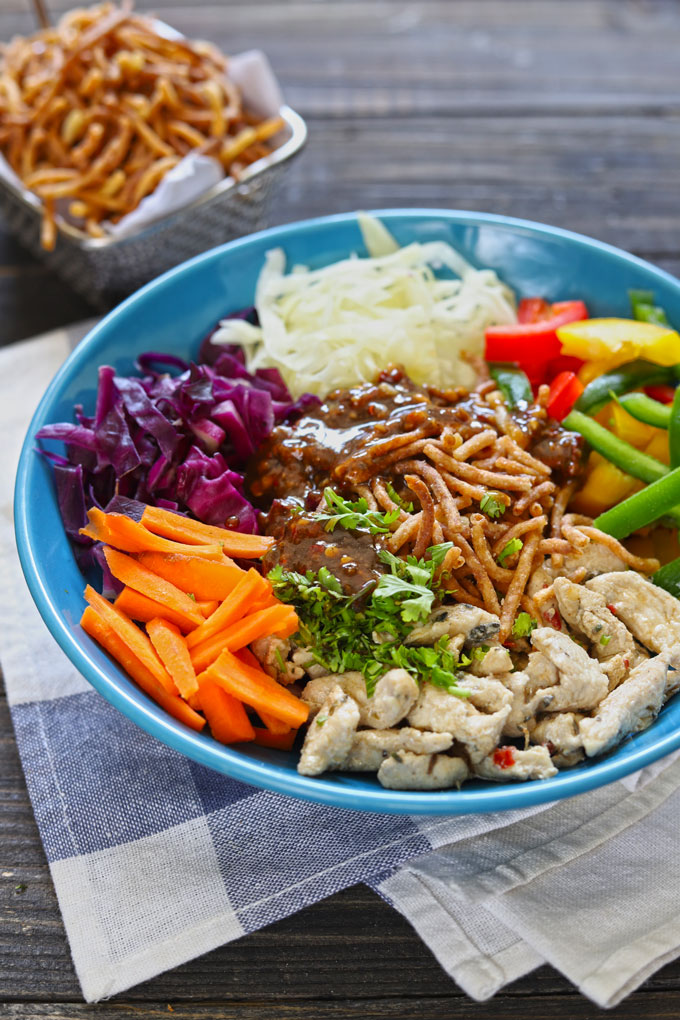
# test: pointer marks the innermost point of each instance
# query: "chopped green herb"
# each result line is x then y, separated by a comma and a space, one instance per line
491, 505
191, 595
339, 628
605, 639
353, 515
279, 660
479, 652
396, 498
321, 719
523, 625
509, 549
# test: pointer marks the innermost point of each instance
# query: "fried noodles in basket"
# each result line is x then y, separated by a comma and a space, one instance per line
94, 113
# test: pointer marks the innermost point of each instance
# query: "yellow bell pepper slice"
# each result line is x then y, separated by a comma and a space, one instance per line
620, 340
626, 427
605, 486
658, 446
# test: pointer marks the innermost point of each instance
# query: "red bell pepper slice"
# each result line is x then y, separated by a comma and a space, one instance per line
533, 342
565, 363
565, 389
533, 309
662, 392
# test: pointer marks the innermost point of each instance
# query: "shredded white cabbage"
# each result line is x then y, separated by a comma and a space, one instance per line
341, 325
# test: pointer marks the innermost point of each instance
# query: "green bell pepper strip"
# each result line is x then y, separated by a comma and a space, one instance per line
620, 453
642, 407
644, 309
668, 577
642, 508
631, 376
674, 430
512, 382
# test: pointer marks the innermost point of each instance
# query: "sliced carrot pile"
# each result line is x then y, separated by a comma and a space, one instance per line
172, 650
256, 689
200, 611
134, 575
226, 715
182, 529
123, 533
135, 639
250, 587
279, 619
281, 741
98, 629
207, 606
205, 579
139, 607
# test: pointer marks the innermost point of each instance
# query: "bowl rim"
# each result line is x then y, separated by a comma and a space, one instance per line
221, 758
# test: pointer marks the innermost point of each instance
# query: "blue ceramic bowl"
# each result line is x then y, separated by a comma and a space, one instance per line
172, 314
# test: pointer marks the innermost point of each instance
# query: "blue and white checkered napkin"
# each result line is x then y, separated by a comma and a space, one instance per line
156, 860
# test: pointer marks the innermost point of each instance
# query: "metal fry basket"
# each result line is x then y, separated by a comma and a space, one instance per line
104, 270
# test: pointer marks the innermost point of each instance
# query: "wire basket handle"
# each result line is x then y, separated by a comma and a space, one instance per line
41, 13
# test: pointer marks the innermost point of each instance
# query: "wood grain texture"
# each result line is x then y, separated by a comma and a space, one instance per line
567, 113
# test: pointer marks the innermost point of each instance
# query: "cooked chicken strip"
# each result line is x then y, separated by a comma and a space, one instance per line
329, 737
495, 662
582, 684
477, 626
595, 559
586, 611
534, 763
274, 655
521, 714
631, 707
371, 747
562, 732
407, 771
395, 693
650, 613
465, 718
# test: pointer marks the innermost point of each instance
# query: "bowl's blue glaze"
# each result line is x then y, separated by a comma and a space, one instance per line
172, 314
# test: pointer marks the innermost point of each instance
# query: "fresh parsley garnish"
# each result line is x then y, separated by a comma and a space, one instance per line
509, 549
396, 498
605, 639
339, 629
479, 652
491, 505
523, 625
353, 515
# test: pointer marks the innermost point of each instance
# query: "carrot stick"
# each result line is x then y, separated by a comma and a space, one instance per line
139, 607
225, 714
275, 620
182, 529
93, 624
134, 575
207, 606
281, 741
250, 587
172, 650
130, 536
256, 689
267, 600
206, 579
135, 639
273, 724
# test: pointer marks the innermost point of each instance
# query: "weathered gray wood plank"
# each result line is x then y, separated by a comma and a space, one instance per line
477, 56
638, 1007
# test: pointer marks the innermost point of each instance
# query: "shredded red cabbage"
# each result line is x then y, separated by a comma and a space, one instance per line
179, 441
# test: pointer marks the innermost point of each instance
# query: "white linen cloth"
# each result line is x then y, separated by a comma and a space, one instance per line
156, 860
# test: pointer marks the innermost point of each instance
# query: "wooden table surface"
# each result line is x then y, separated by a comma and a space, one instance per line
567, 113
